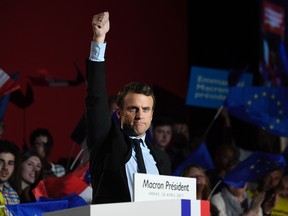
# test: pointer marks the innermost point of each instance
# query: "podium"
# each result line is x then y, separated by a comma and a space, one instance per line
175, 207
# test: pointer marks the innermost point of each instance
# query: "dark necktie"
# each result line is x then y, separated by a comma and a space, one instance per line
139, 156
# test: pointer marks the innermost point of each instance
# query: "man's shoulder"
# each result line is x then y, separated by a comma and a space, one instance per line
10, 195
7, 186
58, 169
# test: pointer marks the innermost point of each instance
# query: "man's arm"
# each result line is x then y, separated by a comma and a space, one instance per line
98, 118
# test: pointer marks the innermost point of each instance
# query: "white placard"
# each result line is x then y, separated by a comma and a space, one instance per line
162, 187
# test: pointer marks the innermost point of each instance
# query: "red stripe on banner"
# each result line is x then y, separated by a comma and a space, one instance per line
205, 208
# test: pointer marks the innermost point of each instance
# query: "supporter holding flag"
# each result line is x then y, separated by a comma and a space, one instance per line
263, 166
233, 199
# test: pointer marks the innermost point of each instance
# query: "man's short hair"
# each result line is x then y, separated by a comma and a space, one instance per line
41, 132
162, 121
135, 87
9, 147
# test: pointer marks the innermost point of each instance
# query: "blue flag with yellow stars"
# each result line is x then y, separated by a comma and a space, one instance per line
200, 156
266, 107
254, 167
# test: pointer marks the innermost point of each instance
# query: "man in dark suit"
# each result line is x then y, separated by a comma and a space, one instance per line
112, 152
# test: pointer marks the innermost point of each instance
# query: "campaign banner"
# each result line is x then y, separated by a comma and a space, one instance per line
161, 187
209, 87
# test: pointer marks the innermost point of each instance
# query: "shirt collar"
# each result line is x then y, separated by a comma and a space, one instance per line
142, 138
5, 186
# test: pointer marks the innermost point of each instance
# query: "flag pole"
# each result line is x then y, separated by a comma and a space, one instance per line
70, 157
232, 81
211, 193
25, 146
212, 122
76, 159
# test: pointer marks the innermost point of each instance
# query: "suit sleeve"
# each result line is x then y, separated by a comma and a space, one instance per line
98, 118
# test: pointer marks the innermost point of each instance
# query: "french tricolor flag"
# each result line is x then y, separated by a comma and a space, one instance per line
56, 187
7, 84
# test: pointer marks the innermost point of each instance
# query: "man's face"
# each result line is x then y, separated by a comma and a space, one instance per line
40, 146
136, 114
162, 136
7, 161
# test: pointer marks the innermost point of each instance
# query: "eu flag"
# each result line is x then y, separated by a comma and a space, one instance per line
254, 167
37, 208
266, 107
200, 156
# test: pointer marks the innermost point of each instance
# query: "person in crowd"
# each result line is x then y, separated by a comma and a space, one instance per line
28, 174
162, 135
271, 180
203, 189
202, 182
8, 154
179, 149
268, 185
115, 152
234, 201
162, 132
41, 141
281, 207
225, 157
181, 127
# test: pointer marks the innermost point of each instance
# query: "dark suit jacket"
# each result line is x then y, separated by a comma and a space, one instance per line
110, 149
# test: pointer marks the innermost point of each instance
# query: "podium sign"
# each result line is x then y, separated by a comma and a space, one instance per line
161, 207
161, 187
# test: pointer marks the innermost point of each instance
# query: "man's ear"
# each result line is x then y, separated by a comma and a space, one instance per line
118, 112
